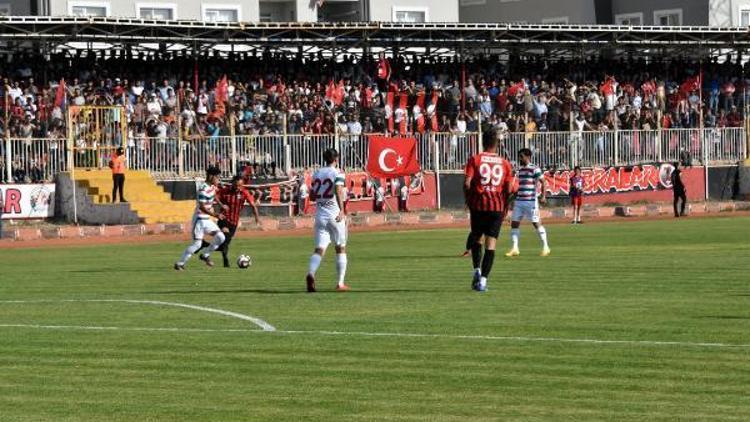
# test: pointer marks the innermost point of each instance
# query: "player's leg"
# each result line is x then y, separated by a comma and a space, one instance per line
579, 205
540, 231
491, 231
210, 228
338, 233
675, 204
515, 227
322, 240
473, 243
192, 248
229, 230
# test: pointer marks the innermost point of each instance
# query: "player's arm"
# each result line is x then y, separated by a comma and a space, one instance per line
340, 181
208, 208
543, 183
468, 176
251, 200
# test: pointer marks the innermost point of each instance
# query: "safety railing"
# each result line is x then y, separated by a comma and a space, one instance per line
276, 155
27, 160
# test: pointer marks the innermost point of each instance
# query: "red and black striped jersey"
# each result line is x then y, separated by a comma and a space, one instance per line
234, 199
491, 177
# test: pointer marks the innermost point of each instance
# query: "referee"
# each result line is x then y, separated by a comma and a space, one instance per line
233, 198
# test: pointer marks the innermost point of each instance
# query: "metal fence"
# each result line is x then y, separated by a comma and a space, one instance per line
32, 160
41, 159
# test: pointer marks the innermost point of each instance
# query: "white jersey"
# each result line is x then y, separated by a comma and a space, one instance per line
323, 191
206, 196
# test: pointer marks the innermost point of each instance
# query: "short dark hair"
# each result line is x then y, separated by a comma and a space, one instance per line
330, 155
489, 139
525, 152
576, 168
213, 171
236, 178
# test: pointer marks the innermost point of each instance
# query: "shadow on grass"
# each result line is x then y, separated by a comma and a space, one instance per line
290, 292
729, 317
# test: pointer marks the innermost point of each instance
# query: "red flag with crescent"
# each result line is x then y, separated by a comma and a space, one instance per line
392, 157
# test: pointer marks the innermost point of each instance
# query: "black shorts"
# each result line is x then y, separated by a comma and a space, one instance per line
486, 223
231, 228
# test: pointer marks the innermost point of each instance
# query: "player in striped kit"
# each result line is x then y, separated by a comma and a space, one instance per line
527, 202
203, 224
327, 191
488, 181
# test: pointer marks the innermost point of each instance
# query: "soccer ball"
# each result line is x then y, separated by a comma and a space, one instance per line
244, 261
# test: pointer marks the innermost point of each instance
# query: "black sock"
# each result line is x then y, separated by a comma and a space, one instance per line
489, 259
469, 242
476, 254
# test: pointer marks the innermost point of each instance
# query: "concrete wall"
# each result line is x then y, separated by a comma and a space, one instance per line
437, 10
88, 212
726, 12
529, 11
185, 9
694, 12
18, 7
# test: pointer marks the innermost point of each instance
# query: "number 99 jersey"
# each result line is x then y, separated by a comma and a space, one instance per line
323, 191
490, 176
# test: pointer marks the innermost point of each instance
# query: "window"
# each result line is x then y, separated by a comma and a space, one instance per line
88, 8
221, 12
560, 20
5, 9
629, 19
410, 14
157, 13
672, 17
473, 2
745, 17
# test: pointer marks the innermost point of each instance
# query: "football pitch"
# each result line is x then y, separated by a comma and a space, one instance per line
626, 321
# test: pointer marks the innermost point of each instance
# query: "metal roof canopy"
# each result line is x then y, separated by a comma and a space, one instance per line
461, 37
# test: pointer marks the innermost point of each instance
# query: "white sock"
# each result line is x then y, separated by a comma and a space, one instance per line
218, 239
515, 234
189, 251
314, 263
341, 262
478, 271
483, 281
542, 236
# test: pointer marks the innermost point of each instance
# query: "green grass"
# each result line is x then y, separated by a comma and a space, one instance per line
683, 281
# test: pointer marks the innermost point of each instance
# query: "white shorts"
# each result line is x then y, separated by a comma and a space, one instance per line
203, 226
328, 230
526, 210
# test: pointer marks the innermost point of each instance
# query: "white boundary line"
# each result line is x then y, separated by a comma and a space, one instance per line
259, 322
520, 339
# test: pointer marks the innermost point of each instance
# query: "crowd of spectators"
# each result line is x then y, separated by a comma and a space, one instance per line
165, 94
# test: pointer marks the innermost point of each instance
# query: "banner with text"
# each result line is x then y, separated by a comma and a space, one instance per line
27, 201
613, 180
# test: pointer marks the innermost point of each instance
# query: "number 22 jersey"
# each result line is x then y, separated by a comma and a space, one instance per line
323, 191
490, 174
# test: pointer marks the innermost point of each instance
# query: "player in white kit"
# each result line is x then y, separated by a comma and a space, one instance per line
327, 191
526, 206
203, 224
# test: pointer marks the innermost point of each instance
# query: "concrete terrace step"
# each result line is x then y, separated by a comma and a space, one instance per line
146, 198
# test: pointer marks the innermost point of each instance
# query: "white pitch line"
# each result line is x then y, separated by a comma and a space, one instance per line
644, 343
257, 321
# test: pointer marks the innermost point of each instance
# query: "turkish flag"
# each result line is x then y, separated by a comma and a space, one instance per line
392, 157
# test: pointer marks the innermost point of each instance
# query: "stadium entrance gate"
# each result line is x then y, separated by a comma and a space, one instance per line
94, 133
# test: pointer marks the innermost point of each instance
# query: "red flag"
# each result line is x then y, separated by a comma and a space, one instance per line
384, 69
392, 157
222, 91
60, 97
